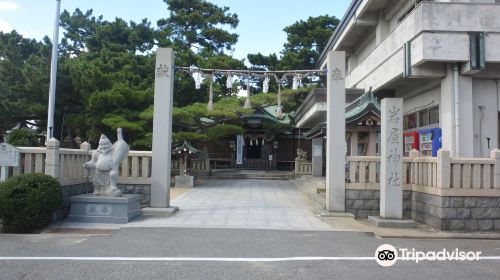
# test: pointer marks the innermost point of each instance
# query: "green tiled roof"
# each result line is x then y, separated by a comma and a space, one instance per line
268, 113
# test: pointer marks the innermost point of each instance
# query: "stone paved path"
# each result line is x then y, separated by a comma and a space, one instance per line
258, 204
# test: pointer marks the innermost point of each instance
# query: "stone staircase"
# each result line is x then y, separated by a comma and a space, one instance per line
252, 174
313, 187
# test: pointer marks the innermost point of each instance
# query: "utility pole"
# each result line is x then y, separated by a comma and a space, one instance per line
53, 73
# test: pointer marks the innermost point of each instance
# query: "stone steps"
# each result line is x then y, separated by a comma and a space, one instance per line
256, 175
313, 187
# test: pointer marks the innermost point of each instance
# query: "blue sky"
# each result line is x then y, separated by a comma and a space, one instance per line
260, 29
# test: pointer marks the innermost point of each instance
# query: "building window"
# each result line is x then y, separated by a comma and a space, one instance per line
409, 10
410, 121
423, 117
434, 115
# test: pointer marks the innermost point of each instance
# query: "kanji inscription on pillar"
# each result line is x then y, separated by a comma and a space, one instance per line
391, 161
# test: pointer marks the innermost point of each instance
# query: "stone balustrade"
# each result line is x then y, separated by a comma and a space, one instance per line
444, 192
67, 165
303, 167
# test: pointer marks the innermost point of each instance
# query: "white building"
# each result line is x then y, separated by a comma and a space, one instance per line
441, 56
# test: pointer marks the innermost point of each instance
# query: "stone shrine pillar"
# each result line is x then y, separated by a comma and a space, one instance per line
391, 166
317, 157
162, 128
391, 160
335, 132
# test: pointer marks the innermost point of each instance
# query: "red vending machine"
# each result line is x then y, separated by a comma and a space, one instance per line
411, 141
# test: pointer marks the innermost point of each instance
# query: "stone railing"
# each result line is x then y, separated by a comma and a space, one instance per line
363, 171
441, 175
303, 167
66, 165
136, 169
31, 160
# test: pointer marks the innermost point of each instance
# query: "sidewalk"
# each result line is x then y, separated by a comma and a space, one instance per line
258, 204
422, 231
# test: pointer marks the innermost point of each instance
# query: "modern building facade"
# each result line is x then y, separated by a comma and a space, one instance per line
440, 56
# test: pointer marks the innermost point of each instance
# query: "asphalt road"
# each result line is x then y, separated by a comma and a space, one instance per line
198, 243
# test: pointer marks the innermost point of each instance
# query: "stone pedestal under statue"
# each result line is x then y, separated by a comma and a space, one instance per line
184, 181
89, 208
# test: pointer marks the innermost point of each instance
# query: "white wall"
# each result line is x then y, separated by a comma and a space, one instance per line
485, 94
366, 46
426, 99
447, 114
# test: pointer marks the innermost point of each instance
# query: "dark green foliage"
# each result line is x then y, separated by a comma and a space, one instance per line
305, 42
27, 202
22, 138
24, 80
106, 72
291, 99
223, 131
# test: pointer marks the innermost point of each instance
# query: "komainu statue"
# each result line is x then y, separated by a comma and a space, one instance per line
301, 154
105, 165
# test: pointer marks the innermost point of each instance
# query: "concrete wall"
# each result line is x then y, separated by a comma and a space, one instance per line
438, 32
473, 94
366, 45
447, 114
485, 116
440, 212
364, 203
457, 213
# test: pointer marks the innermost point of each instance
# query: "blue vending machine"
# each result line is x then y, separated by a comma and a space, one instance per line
437, 143
430, 141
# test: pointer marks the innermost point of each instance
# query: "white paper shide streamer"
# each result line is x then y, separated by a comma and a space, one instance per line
265, 85
296, 82
198, 79
210, 106
229, 81
248, 104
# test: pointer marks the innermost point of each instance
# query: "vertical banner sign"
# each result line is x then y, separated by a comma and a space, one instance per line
239, 149
391, 166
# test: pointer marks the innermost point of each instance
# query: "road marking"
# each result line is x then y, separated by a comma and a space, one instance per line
182, 259
202, 259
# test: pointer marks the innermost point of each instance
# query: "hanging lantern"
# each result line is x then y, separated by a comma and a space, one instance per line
265, 85
248, 104
197, 80
210, 106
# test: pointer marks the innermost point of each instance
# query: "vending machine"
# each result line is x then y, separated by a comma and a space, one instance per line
430, 141
410, 140
437, 142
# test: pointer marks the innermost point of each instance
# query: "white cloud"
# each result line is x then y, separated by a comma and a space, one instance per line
5, 26
8, 6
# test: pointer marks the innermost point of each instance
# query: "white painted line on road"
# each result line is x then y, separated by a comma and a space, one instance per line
202, 259
188, 259
489, 258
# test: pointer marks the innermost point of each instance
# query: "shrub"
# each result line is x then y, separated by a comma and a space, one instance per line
22, 138
27, 202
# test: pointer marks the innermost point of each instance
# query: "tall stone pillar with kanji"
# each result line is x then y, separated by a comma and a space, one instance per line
391, 159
